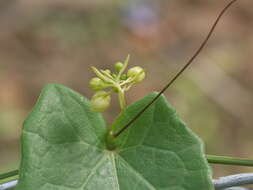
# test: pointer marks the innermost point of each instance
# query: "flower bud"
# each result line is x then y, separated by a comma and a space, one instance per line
96, 84
137, 73
118, 66
100, 101
123, 77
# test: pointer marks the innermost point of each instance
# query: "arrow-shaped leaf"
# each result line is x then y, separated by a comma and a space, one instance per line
63, 148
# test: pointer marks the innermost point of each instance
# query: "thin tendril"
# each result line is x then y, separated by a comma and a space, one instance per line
180, 72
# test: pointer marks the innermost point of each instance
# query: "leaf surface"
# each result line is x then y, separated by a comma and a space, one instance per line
63, 148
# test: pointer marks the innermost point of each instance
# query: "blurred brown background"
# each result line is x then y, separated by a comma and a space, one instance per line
46, 41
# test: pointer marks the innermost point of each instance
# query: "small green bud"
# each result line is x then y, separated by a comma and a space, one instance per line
118, 66
100, 101
123, 77
97, 84
137, 73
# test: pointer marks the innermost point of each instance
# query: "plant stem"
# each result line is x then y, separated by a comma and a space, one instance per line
124, 67
8, 174
225, 160
122, 100
110, 141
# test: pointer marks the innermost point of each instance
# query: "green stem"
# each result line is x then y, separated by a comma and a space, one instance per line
6, 180
124, 67
122, 100
225, 160
110, 141
8, 174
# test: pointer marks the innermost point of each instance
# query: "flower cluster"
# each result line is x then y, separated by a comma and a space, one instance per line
118, 82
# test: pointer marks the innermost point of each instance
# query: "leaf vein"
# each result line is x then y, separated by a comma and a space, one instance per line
93, 171
141, 177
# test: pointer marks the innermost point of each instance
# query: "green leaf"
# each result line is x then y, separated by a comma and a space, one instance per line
63, 148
